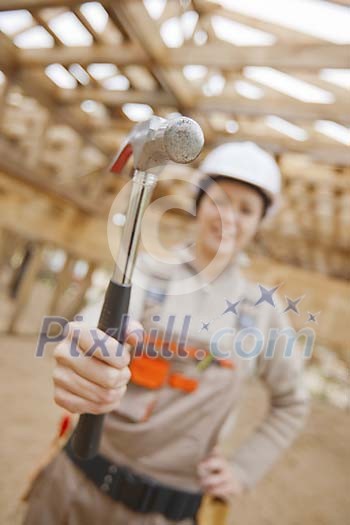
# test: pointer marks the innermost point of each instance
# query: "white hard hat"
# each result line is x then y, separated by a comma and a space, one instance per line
246, 162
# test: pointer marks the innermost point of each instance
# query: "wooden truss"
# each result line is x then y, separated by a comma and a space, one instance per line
58, 141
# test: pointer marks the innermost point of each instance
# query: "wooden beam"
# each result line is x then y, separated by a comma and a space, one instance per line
96, 35
4, 89
11, 164
301, 167
35, 84
302, 251
286, 56
280, 105
257, 131
143, 31
117, 98
77, 303
38, 19
283, 34
8, 54
140, 28
124, 54
26, 285
291, 56
284, 107
63, 279
341, 158
44, 217
342, 93
272, 236
7, 5
278, 143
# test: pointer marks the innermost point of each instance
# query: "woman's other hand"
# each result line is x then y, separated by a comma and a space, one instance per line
217, 477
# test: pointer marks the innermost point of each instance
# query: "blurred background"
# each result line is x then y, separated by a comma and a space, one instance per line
74, 78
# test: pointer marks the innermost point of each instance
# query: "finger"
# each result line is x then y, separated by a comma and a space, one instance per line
69, 380
213, 463
228, 488
94, 342
134, 335
223, 491
92, 369
77, 405
214, 480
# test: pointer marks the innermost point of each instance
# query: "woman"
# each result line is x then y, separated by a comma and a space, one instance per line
159, 450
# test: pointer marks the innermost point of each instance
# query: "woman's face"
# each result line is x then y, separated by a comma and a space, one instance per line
228, 217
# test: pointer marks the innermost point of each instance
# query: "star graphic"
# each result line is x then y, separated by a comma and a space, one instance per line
205, 326
266, 295
292, 304
231, 307
312, 317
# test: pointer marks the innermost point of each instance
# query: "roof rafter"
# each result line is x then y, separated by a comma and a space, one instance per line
285, 56
28, 80
282, 33
291, 56
282, 106
11, 5
8, 55
143, 31
316, 149
117, 98
9, 163
127, 54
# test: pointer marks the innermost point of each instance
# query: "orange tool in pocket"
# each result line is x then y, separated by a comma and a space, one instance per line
149, 372
184, 383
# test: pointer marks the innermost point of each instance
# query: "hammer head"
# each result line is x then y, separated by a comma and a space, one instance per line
156, 141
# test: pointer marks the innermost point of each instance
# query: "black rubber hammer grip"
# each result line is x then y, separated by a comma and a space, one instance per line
87, 435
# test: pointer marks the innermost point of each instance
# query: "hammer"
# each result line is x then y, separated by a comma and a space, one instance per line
153, 144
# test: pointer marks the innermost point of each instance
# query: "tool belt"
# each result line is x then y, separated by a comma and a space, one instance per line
137, 492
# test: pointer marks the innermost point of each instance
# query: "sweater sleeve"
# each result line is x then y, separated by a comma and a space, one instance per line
287, 411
